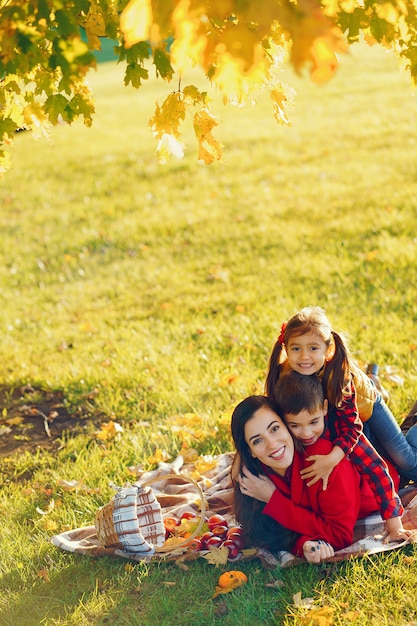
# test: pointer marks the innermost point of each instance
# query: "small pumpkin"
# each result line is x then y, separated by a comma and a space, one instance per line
233, 578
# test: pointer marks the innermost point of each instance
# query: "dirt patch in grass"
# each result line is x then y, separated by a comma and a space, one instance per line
33, 418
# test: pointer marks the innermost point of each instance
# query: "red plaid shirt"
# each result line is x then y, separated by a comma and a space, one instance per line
348, 435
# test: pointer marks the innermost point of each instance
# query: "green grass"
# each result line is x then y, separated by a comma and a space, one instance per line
163, 288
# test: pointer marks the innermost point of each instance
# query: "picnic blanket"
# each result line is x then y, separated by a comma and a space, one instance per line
176, 495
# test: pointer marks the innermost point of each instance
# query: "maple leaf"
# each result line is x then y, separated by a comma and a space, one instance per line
217, 556
162, 64
168, 117
95, 26
134, 74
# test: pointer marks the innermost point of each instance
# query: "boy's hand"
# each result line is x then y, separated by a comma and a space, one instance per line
321, 467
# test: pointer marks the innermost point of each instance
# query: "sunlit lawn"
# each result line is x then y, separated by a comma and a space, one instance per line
147, 292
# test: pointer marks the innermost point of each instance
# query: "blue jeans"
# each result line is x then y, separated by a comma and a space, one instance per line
385, 434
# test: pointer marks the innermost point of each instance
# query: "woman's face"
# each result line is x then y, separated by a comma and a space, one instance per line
269, 440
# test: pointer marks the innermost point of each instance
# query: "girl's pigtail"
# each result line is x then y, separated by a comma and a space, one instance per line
337, 371
274, 369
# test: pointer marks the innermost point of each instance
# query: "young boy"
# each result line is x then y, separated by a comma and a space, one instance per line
302, 405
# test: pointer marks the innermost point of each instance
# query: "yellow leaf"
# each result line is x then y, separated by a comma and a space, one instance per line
109, 431
129, 567
168, 117
135, 21
204, 464
320, 616
189, 455
210, 148
351, 615
15, 421
387, 12
95, 26
280, 99
217, 556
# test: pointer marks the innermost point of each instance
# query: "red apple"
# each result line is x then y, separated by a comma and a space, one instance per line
205, 537
237, 538
235, 529
170, 524
232, 547
188, 515
195, 545
214, 542
216, 520
219, 531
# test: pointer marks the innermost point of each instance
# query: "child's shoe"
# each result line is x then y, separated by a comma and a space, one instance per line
373, 371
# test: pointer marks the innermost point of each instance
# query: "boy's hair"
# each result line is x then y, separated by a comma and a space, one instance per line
296, 392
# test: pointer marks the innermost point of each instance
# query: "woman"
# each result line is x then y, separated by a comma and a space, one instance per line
274, 505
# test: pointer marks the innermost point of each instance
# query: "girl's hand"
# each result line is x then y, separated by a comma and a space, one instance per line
396, 531
317, 551
259, 487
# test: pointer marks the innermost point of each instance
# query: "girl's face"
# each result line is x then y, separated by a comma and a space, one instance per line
307, 353
307, 427
269, 440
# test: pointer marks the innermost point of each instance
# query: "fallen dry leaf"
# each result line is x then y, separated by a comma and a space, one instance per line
217, 556
108, 431
276, 584
302, 602
319, 616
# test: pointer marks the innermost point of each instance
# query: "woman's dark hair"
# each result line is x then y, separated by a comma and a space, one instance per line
259, 530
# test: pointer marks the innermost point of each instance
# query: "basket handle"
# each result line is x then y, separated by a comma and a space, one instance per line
198, 528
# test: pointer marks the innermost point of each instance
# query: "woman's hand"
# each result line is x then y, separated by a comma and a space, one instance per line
317, 551
259, 487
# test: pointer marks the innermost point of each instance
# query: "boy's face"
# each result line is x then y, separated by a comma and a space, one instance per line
307, 427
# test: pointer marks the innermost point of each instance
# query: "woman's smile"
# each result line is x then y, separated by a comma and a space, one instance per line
269, 440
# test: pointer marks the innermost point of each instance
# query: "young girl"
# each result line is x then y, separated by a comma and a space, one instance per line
302, 405
308, 345
270, 496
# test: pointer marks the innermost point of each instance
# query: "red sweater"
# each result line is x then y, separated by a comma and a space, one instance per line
316, 514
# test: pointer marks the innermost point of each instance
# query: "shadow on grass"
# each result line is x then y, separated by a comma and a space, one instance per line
35, 418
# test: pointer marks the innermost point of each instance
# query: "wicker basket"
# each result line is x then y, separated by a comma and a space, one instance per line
132, 521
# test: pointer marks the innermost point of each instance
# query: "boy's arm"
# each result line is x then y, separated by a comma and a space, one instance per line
321, 466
